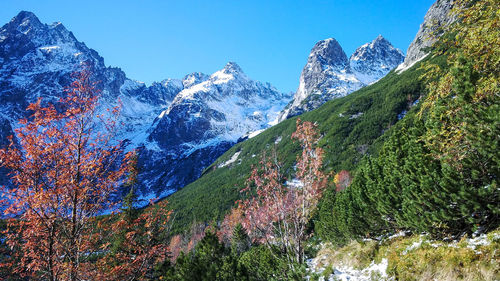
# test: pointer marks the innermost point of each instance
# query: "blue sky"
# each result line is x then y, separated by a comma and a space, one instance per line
270, 40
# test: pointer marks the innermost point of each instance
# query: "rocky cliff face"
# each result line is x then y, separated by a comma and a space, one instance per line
329, 74
179, 125
437, 18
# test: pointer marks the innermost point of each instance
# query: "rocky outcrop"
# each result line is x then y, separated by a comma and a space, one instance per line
437, 18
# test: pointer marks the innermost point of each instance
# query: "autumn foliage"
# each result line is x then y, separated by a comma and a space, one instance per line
342, 180
64, 166
138, 244
231, 220
279, 213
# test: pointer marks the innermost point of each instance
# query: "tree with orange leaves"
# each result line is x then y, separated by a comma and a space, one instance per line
135, 242
64, 167
138, 244
342, 180
231, 220
279, 213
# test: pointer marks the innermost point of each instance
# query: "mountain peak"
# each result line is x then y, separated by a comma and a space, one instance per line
24, 18
437, 18
326, 47
194, 78
374, 60
232, 67
25, 15
24, 22
328, 52
379, 38
380, 42
327, 44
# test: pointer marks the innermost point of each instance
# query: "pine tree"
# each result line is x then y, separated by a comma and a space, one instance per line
240, 242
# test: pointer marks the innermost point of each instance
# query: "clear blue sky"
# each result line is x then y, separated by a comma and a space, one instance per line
270, 40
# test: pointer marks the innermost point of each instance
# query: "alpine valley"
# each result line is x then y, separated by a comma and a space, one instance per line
178, 126
380, 166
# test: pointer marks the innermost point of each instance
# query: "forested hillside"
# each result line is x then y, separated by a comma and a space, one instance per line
396, 181
422, 149
351, 127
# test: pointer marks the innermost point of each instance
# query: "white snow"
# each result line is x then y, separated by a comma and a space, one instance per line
221, 77
48, 49
367, 65
378, 271
374, 271
294, 183
137, 116
402, 67
129, 85
170, 82
481, 240
240, 105
189, 93
396, 235
255, 133
248, 107
152, 145
354, 116
231, 160
413, 246
368, 79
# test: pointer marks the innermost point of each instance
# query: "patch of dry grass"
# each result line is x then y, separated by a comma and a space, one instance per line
418, 258
356, 255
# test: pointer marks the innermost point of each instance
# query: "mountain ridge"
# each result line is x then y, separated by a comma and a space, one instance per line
330, 74
37, 60
179, 126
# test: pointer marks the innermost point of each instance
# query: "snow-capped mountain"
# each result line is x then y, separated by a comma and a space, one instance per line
329, 74
199, 115
37, 60
374, 60
203, 121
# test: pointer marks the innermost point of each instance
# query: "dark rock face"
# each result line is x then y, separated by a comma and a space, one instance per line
437, 18
329, 74
178, 135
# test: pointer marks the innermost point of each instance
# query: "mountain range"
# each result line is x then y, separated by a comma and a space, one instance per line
179, 126
329, 74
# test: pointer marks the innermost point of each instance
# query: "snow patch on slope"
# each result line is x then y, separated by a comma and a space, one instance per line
375, 271
231, 160
403, 67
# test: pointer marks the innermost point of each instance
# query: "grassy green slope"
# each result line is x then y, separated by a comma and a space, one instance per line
351, 127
